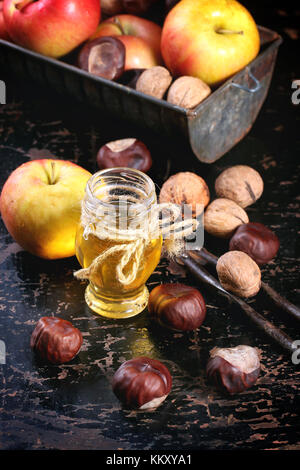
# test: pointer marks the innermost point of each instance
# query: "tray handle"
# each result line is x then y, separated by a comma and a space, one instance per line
257, 85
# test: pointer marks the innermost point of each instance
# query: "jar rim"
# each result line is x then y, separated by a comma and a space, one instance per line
125, 173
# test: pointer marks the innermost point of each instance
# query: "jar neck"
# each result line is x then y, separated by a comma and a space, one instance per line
118, 198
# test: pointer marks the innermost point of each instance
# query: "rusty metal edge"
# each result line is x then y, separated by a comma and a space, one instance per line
73, 69
187, 116
194, 115
189, 113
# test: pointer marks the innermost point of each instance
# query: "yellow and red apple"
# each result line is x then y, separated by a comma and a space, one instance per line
209, 39
51, 27
141, 38
40, 205
3, 30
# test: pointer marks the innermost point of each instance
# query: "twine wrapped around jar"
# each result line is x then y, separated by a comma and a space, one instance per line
132, 242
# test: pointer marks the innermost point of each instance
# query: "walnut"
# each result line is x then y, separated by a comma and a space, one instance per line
188, 92
241, 183
238, 273
223, 216
154, 81
186, 188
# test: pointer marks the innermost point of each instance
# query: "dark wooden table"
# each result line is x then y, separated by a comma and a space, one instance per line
72, 406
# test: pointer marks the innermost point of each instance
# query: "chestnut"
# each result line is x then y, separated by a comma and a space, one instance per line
177, 306
234, 370
257, 240
104, 57
111, 7
142, 383
131, 153
55, 340
137, 7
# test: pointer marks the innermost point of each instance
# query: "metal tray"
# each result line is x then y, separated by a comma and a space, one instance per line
212, 128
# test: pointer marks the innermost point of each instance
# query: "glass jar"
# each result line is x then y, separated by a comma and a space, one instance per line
117, 241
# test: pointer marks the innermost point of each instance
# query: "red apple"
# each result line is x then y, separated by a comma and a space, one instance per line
51, 27
141, 38
40, 204
210, 40
3, 30
139, 54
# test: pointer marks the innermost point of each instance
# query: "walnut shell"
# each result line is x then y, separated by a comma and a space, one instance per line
223, 216
188, 92
241, 183
186, 188
238, 273
154, 81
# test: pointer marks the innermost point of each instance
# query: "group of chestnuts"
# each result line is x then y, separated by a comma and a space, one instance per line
143, 382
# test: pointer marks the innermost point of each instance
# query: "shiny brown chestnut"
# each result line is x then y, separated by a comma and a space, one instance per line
177, 306
234, 370
142, 383
137, 7
55, 340
257, 240
104, 57
130, 153
111, 7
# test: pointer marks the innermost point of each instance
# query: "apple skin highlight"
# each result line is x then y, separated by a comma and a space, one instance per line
209, 39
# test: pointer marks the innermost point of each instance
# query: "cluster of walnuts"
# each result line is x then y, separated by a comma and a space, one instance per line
251, 244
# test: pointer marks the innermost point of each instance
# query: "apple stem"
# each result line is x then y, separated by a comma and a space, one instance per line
118, 23
228, 31
52, 175
23, 3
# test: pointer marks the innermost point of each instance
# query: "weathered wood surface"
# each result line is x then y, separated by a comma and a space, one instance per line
72, 406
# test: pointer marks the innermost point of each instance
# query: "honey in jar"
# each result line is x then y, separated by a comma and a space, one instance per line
116, 243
